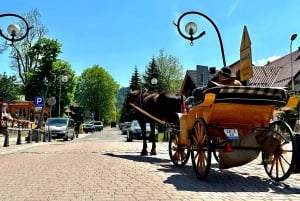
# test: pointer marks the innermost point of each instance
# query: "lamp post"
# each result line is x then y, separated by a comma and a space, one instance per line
191, 30
14, 30
293, 37
63, 79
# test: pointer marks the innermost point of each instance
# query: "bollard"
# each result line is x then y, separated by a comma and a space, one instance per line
19, 139
49, 136
29, 137
37, 135
44, 137
6, 139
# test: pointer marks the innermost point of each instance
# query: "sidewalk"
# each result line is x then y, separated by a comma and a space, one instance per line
14, 147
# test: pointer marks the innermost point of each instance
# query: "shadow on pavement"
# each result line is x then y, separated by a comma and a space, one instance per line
184, 178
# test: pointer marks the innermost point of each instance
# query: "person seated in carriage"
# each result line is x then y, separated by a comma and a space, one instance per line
224, 77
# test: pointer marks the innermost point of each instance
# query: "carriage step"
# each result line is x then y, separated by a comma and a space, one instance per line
297, 152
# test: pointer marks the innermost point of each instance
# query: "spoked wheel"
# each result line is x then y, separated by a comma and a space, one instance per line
178, 152
281, 162
201, 149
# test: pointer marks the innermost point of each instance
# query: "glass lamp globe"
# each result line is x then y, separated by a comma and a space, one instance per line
13, 30
191, 28
154, 80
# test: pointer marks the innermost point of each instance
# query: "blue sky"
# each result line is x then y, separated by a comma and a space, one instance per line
120, 35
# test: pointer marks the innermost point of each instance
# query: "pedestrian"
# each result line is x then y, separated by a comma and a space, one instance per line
77, 126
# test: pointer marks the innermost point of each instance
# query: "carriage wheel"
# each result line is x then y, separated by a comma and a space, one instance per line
201, 149
281, 163
178, 152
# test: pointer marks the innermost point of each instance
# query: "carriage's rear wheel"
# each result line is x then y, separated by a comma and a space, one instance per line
178, 152
201, 149
281, 162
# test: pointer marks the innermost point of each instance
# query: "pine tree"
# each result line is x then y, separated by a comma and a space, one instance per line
152, 72
135, 82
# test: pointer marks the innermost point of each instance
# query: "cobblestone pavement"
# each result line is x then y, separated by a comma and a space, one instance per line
95, 167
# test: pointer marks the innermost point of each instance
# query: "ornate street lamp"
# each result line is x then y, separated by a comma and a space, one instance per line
293, 37
14, 29
63, 79
191, 30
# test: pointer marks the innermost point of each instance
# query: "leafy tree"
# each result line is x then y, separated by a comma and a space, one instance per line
135, 82
9, 90
153, 72
171, 71
46, 79
66, 88
44, 53
96, 92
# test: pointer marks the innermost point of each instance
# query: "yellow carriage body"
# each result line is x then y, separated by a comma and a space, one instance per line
248, 110
243, 117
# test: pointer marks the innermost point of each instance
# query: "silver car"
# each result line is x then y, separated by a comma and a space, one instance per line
59, 127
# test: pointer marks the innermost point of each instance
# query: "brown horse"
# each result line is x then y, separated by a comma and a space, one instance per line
163, 106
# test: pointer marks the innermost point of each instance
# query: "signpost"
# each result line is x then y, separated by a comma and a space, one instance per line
246, 71
39, 103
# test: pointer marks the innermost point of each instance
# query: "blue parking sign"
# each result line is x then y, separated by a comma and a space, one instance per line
39, 101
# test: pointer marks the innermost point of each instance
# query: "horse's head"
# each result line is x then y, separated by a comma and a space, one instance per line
133, 97
136, 97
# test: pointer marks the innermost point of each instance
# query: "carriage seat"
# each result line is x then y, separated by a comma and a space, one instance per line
243, 95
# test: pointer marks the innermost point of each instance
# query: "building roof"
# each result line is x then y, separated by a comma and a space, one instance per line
276, 73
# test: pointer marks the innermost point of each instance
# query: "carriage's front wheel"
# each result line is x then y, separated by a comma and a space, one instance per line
178, 152
201, 149
281, 162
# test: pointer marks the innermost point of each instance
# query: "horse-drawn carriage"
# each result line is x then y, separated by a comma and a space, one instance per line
235, 124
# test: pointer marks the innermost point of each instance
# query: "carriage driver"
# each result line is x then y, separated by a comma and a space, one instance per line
226, 77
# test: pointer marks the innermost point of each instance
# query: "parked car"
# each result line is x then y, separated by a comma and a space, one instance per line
59, 127
88, 127
135, 132
98, 125
125, 126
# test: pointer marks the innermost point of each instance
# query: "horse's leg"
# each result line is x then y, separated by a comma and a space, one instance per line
152, 138
143, 129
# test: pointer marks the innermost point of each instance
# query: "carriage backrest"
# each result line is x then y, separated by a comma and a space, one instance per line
250, 95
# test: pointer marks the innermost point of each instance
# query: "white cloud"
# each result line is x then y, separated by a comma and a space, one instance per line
264, 61
233, 7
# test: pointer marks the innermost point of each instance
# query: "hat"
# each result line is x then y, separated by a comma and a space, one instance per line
227, 72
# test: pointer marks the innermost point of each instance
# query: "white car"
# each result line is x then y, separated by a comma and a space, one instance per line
88, 127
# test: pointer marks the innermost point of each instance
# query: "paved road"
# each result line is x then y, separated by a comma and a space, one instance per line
103, 166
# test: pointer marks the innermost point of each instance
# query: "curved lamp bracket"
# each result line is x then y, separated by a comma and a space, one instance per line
192, 30
14, 30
